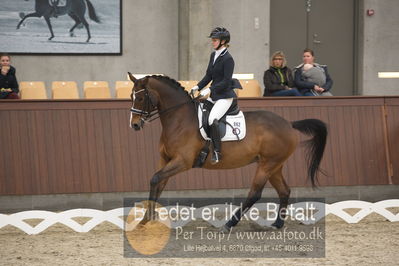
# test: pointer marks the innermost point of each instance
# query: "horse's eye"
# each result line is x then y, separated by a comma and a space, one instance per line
140, 99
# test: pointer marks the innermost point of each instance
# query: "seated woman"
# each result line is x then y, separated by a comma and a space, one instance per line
312, 79
278, 79
9, 88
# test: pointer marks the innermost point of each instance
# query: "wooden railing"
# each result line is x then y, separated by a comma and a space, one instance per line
50, 147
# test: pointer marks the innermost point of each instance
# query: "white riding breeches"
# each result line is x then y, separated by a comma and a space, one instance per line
219, 109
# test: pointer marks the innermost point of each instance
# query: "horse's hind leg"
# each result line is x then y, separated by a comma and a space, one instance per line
278, 182
49, 27
77, 22
255, 193
84, 22
37, 15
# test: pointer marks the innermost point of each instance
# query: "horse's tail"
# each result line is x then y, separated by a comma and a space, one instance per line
92, 12
315, 146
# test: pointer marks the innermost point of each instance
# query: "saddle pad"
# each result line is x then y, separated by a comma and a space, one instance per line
234, 126
62, 3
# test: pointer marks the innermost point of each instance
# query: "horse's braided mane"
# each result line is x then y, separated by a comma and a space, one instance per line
173, 83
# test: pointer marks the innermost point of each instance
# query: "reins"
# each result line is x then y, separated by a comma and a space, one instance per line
149, 116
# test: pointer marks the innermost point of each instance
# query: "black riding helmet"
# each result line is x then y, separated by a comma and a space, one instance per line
221, 34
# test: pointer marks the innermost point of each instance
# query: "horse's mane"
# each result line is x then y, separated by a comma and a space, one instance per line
171, 82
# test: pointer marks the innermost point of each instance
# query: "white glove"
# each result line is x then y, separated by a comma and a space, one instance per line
205, 92
194, 89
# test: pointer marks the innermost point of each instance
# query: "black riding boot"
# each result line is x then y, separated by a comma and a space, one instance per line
215, 136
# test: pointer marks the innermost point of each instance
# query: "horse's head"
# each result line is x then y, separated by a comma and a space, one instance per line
144, 102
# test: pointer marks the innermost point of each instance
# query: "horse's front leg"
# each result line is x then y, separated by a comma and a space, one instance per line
35, 14
158, 183
49, 27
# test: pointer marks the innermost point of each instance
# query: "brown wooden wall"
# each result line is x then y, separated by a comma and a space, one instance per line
79, 146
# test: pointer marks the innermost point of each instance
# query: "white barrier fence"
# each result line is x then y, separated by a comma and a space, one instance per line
116, 216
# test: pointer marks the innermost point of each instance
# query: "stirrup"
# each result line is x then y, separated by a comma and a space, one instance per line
216, 157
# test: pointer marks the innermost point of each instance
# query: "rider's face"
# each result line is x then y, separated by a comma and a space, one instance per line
215, 43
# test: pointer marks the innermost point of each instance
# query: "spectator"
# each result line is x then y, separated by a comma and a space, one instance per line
9, 88
315, 80
278, 79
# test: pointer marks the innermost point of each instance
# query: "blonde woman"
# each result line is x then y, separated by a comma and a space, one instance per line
278, 78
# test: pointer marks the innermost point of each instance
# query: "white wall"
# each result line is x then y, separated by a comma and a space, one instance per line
249, 46
379, 47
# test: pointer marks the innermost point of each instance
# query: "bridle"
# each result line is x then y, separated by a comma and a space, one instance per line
145, 112
149, 109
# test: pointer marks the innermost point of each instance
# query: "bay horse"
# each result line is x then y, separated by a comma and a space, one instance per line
76, 9
269, 141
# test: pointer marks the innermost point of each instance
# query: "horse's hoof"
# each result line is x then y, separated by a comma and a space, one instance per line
225, 229
71, 34
50, 38
144, 221
277, 225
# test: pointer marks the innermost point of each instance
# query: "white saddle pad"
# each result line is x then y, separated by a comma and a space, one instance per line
62, 3
236, 131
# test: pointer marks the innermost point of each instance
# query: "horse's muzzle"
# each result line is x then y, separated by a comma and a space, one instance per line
139, 125
136, 127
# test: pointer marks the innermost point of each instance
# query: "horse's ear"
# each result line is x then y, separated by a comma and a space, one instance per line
131, 77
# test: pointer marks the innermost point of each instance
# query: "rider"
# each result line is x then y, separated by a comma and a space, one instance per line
220, 71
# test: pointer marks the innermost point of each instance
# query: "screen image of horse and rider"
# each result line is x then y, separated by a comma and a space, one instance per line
60, 26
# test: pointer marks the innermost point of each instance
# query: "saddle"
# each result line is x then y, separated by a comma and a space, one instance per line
231, 126
60, 3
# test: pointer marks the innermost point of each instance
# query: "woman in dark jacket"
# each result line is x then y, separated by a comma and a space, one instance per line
9, 88
278, 79
306, 87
